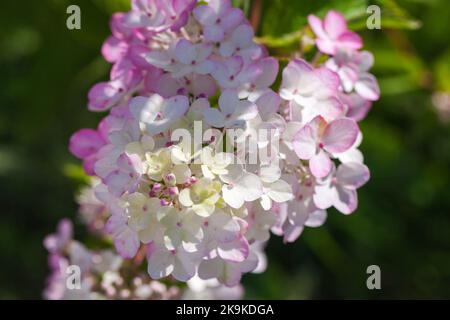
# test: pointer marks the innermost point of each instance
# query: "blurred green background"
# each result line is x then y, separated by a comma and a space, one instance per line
402, 223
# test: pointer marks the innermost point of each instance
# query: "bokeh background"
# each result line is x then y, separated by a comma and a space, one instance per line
402, 223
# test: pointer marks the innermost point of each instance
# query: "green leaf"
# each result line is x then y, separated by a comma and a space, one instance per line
76, 173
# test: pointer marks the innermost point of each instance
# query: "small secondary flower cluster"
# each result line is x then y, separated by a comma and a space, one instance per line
82, 274
205, 209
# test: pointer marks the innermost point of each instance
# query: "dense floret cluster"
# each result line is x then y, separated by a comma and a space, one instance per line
200, 157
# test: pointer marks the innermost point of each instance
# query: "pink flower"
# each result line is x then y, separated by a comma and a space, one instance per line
125, 239
352, 68
232, 112
192, 58
146, 14
233, 73
127, 175
266, 76
319, 139
314, 91
55, 243
241, 43
105, 95
333, 33
357, 107
218, 18
85, 144
340, 190
158, 114
228, 273
162, 263
197, 85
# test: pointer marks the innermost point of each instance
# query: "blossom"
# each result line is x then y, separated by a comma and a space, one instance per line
240, 186
352, 68
217, 18
333, 34
314, 91
201, 197
162, 263
274, 189
319, 139
340, 189
158, 114
85, 144
232, 112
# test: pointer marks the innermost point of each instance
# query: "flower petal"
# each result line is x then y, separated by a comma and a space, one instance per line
340, 135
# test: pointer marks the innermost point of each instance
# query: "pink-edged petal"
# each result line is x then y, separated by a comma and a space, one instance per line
326, 46
184, 267
345, 200
223, 227
334, 24
323, 196
291, 232
316, 219
329, 77
352, 175
85, 142
114, 49
350, 40
320, 165
366, 60
102, 96
125, 239
235, 251
89, 164
340, 135
269, 71
146, 109
316, 25
293, 76
268, 103
160, 262
304, 143
117, 182
367, 87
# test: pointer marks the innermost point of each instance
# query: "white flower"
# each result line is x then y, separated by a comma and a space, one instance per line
240, 186
274, 189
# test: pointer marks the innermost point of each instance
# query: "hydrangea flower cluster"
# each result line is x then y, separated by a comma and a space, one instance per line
200, 157
105, 275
